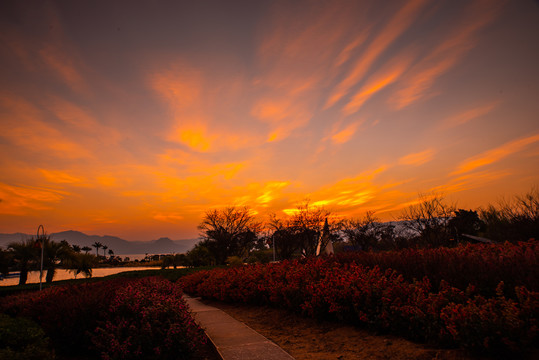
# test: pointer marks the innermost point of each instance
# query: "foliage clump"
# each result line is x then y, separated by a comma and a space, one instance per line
148, 319
23, 339
119, 319
491, 305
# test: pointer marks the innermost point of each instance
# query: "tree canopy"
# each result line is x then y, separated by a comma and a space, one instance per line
231, 231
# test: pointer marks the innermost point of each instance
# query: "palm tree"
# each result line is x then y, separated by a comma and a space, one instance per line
82, 263
111, 253
97, 246
77, 248
86, 249
55, 253
24, 253
105, 247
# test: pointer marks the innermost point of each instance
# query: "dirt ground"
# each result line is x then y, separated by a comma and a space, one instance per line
305, 338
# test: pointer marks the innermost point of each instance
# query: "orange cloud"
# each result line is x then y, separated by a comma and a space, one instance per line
470, 114
347, 194
296, 60
298, 45
50, 54
417, 159
377, 82
23, 125
394, 28
107, 180
446, 54
64, 66
270, 192
346, 53
469, 181
345, 134
182, 88
60, 177
260, 196
196, 164
496, 154
205, 185
200, 119
196, 138
172, 217
283, 115
20, 200
82, 121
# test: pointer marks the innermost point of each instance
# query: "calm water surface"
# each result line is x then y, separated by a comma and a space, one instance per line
61, 274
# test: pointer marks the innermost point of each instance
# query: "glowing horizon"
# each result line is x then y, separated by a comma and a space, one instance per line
134, 123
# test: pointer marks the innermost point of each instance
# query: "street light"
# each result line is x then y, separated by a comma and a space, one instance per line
42, 249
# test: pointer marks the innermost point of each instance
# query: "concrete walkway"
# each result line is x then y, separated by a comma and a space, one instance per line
233, 339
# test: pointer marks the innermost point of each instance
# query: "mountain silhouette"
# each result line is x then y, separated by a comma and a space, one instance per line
120, 246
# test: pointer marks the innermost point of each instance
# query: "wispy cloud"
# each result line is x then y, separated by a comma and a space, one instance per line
447, 54
342, 136
283, 115
52, 53
61, 62
261, 107
496, 154
172, 217
469, 115
417, 159
348, 194
61, 177
24, 125
347, 52
389, 74
471, 181
395, 27
261, 196
271, 191
22, 200
302, 46
200, 120
83, 122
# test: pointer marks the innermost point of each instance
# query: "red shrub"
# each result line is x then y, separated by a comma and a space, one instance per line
123, 318
344, 288
148, 319
66, 313
482, 265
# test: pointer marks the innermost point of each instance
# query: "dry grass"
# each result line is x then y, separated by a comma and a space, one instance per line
305, 338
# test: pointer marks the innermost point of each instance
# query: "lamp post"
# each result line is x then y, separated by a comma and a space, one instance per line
42, 249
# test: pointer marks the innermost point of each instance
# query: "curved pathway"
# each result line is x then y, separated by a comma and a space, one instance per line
233, 339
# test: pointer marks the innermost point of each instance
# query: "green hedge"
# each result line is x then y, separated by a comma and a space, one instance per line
23, 339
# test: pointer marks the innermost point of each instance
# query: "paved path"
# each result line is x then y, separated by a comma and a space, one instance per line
233, 339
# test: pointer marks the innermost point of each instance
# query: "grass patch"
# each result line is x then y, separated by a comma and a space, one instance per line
169, 274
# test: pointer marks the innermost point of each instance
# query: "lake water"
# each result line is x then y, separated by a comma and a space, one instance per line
62, 274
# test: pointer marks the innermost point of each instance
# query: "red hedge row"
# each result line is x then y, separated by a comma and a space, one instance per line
66, 313
482, 265
383, 300
121, 319
148, 319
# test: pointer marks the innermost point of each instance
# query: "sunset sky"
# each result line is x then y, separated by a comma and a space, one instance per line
132, 118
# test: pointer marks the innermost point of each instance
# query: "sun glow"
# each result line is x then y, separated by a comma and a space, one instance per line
354, 105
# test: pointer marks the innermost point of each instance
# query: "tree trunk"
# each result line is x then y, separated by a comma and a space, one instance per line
23, 276
50, 275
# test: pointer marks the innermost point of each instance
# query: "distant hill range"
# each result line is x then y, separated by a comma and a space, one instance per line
119, 246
